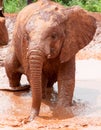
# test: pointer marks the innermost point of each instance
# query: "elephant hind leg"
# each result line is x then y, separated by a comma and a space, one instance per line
45, 90
52, 80
44, 86
47, 87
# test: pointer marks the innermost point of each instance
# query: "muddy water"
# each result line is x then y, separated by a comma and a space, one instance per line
85, 114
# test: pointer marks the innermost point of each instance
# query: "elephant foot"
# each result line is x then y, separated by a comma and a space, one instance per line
15, 89
61, 112
21, 88
34, 113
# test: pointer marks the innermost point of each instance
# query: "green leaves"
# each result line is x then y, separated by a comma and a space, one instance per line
93, 5
90, 5
12, 6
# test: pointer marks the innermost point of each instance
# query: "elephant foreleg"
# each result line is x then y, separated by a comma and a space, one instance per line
12, 68
66, 83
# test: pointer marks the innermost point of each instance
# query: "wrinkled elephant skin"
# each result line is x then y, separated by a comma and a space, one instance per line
46, 38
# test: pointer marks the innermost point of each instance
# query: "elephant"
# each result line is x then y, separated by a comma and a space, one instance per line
46, 38
1, 3
3, 30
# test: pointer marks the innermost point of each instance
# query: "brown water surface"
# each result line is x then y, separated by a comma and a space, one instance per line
85, 114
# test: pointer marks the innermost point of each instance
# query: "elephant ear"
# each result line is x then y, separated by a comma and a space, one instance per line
80, 29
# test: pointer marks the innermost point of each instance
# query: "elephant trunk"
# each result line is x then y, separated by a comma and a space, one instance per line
35, 79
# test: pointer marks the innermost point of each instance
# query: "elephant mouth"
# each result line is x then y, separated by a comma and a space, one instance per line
49, 56
52, 56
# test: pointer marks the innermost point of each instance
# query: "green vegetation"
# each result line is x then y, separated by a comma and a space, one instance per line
12, 6
90, 5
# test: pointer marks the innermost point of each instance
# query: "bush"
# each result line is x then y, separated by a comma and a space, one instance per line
12, 6
93, 5
90, 5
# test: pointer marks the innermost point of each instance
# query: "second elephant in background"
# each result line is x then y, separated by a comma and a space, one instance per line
3, 30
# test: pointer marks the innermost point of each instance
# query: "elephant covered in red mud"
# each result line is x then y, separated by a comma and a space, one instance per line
46, 38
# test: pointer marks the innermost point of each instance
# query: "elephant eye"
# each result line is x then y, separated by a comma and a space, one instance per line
54, 36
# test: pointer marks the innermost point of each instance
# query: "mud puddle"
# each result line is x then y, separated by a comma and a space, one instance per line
85, 114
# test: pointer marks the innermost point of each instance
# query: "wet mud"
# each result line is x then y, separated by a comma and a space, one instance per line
84, 114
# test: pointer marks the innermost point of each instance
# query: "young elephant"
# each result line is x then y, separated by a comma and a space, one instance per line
46, 38
3, 29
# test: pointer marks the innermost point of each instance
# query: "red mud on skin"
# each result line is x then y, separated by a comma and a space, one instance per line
85, 114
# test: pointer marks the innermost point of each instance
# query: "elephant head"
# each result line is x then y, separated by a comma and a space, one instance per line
60, 31
47, 31
3, 29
